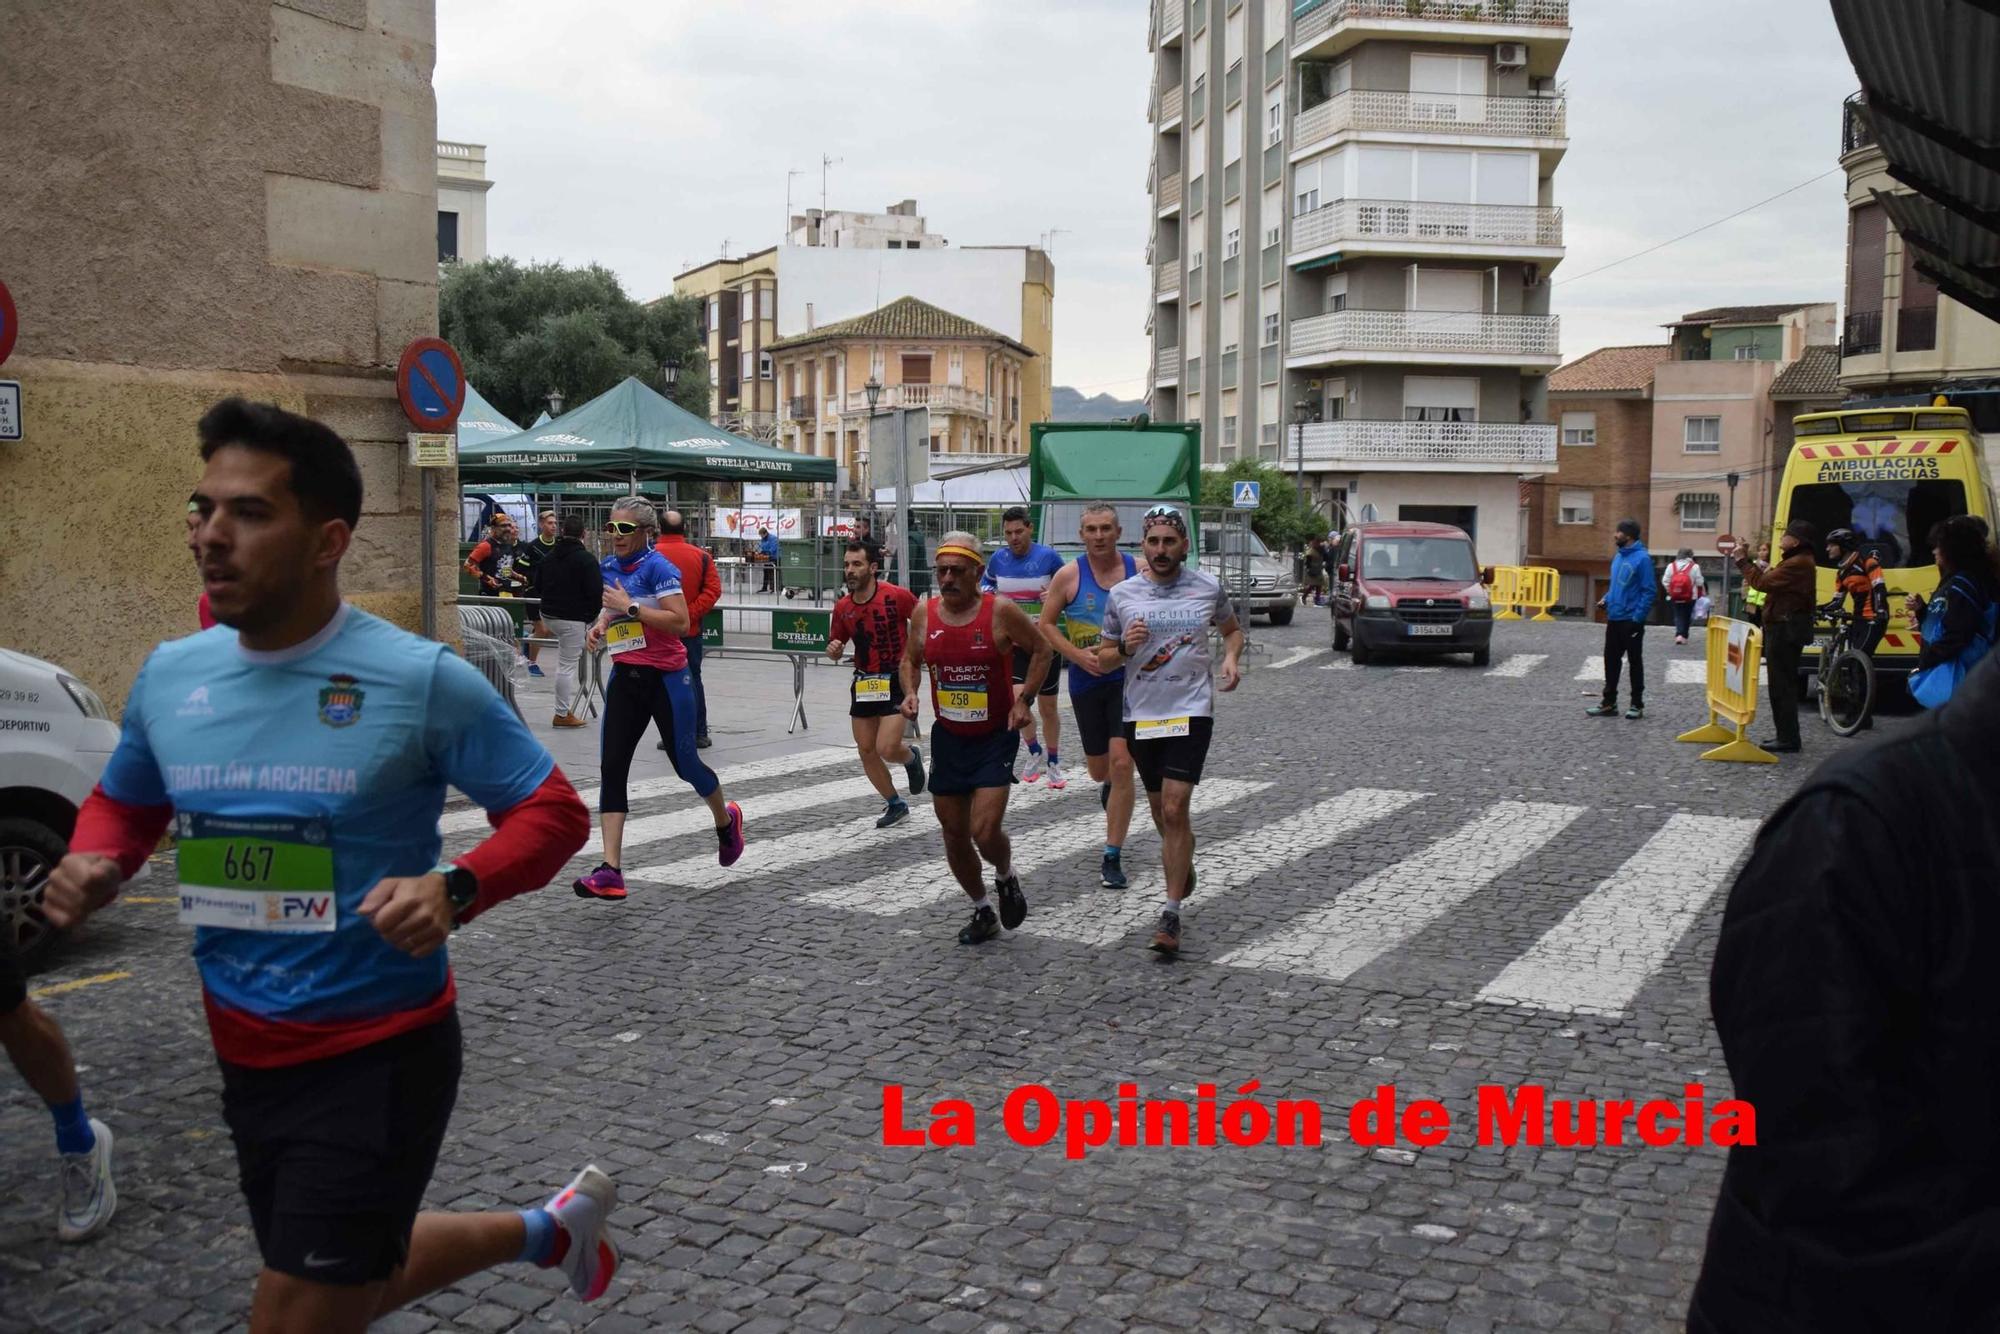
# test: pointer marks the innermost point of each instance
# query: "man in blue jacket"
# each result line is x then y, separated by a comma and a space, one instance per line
1626, 607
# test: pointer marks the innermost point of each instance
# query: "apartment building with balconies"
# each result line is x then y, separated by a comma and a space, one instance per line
739, 299
1901, 337
1354, 224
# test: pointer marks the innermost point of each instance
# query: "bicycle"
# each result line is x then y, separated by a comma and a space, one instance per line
1846, 676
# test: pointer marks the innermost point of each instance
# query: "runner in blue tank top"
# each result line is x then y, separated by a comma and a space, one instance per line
1072, 612
301, 751
1021, 572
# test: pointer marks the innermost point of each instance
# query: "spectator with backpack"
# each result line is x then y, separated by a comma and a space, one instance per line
1959, 626
1684, 583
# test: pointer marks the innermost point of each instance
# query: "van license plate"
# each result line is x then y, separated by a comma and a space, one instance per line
1427, 629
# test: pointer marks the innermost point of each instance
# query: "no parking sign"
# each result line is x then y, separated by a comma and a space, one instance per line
430, 384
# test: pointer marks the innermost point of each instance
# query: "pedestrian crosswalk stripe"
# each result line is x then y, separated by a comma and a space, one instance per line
765, 857
696, 816
1519, 664
912, 887
1338, 665
1105, 916
1598, 956
1388, 908
1293, 659
1680, 671
777, 766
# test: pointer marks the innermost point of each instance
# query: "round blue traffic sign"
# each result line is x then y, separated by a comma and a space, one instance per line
430, 384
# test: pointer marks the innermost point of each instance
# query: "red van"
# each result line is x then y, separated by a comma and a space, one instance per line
1410, 588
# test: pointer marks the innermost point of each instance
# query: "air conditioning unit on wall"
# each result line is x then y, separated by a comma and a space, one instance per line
1510, 55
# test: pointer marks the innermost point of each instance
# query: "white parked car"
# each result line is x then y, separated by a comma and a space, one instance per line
55, 739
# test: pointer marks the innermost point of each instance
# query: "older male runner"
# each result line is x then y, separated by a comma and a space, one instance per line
1158, 622
967, 638
1072, 616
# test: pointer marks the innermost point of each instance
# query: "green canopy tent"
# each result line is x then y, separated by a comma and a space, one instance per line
479, 422
631, 433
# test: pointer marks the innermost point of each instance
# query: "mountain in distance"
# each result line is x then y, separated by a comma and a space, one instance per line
1069, 405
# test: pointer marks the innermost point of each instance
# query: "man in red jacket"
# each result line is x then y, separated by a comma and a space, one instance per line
702, 584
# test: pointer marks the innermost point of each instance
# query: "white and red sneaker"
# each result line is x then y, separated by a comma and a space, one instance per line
1056, 778
587, 1254
1033, 773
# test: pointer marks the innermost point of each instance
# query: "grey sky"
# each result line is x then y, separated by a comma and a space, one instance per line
644, 135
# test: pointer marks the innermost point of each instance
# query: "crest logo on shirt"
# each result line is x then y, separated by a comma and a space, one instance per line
340, 701
196, 705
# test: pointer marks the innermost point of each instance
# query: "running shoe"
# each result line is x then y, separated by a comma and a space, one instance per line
1167, 939
606, 882
88, 1196
894, 813
1636, 712
1033, 773
982, 928
1013, 903
534, 669
1601, 711
1112, 873
1056, 779
582, 1209
703, 742
731, 836
914, 769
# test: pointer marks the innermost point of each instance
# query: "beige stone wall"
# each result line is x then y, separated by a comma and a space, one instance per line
232, 197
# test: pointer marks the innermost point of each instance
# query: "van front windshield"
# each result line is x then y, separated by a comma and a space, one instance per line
1893, 519
1430, 559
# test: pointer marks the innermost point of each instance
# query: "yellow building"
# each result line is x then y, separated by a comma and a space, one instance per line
740, 312
971, 378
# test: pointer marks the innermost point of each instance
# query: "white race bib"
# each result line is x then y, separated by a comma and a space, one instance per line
1159, 729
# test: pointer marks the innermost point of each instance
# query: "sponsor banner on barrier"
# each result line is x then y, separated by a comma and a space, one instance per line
1732, 672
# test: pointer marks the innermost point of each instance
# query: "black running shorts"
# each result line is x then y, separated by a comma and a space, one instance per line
1100, 715
962, 764
334, 1155
875, 708
1050, 685
13, 978
1178, 757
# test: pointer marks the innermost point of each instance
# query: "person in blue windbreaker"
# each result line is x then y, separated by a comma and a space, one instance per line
1626, 607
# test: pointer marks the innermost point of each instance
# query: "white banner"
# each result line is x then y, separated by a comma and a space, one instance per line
728, 523
1732, 672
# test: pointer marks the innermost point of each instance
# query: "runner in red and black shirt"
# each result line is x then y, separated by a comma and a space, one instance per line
967, 639
875, 618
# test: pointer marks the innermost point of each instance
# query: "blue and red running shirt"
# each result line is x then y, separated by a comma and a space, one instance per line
296, 781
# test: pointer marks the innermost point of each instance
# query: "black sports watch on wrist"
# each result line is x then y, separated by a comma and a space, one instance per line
461, 888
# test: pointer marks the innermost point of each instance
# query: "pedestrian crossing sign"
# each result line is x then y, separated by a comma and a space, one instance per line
1247, 497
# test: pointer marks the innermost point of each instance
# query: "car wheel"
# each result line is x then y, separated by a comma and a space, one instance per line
29, 850
1363, 655
1482, 657
1340, 636
1281, 615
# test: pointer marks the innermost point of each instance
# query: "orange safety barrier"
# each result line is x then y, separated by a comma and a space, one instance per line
1506, 592
1735, 648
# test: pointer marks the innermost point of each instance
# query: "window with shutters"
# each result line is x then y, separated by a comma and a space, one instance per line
1579, 428
916, 368
1867, 246
1575, 508
1271, 324
1699, 513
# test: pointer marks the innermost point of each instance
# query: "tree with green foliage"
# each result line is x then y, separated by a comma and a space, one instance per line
1284, 521
523, 330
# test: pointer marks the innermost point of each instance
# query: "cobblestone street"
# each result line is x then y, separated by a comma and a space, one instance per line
1414, 873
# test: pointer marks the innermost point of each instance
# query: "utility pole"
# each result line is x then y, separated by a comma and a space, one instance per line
1728, 561
824, 163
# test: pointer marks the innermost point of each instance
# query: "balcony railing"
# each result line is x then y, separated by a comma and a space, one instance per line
1173, 18
1500, 13
1170, 191
942, 397
1855, 132
1431, 113
1862, 334
1349, 220
1168, 278
1426, 333
1916, 329
1393, 443
1167, 366
1170, 104
799, 408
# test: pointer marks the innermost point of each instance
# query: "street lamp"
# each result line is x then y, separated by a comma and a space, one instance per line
873, 390
555, 402
670, 371
1300, 411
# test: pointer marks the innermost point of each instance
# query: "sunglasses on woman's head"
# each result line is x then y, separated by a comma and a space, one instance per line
621, 527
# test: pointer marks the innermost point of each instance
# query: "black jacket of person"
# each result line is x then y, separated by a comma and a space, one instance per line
571, 582
1856, 989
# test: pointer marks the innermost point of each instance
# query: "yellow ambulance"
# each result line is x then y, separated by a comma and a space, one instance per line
1889, 474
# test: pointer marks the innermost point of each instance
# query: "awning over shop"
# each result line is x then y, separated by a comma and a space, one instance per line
632, 431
